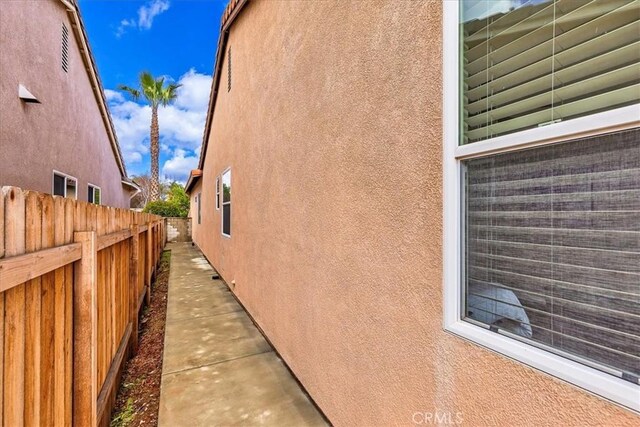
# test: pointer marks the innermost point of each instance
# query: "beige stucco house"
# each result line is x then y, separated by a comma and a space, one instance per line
56, 134
432, 208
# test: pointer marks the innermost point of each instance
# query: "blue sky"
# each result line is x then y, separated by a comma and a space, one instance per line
173, 38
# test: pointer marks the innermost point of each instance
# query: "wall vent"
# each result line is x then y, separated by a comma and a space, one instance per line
229, 70
65, 48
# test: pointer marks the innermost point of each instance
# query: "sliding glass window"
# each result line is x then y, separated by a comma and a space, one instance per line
542, 185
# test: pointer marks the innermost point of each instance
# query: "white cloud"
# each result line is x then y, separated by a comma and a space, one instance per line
181, 126
194, 91
113, 96
149, 11
146, 15
124, 24
178, 167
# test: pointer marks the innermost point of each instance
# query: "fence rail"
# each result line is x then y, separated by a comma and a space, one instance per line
73, 278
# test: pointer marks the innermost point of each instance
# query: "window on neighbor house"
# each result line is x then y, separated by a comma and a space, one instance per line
226, 203
64, 185
93, 194
547, 194
218, 193
199, 199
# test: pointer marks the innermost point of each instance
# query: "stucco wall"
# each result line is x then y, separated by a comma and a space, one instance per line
66, 131
332, 130
178, 229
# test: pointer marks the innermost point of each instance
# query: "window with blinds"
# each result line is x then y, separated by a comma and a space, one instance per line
532, 63
552, 248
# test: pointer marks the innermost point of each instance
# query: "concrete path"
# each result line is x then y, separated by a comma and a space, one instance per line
218, 369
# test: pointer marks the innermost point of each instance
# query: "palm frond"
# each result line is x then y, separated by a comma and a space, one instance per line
134, 93
169, 93
153, 89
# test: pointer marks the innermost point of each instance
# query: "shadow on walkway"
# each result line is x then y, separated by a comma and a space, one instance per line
218, 369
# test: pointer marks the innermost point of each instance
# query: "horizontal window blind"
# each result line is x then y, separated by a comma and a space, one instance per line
552, 247
539, 62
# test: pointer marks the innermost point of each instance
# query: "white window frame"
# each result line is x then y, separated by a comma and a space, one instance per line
66, 177
596, 381
95, 187
217, 193
222, 203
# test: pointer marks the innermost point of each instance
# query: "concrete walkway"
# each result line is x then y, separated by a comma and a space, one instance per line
218, 369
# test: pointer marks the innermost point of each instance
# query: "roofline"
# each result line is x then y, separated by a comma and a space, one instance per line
130, 183
230, 14
81, 35
194, 176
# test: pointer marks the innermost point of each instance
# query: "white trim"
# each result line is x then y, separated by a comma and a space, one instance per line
94, 193
605, 385
595, 381
594, 124
222, 203
66, 177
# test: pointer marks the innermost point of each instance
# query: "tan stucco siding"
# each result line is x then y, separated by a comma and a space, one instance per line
66, 132
333, 132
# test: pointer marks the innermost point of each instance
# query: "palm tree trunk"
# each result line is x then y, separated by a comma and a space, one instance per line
155, 154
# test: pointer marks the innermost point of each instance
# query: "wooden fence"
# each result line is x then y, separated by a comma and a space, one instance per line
73, 278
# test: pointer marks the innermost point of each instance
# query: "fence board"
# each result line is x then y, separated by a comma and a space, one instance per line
113, 238
14, 336
69, 228
85, 326
23, 268
46, 320
58, 316
1, 311
33, 314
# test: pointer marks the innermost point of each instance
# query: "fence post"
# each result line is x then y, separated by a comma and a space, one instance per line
85, 337
149, 263
133, 287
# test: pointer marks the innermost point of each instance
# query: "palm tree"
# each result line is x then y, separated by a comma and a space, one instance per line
157, 94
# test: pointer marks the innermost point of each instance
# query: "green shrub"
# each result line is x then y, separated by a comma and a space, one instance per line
178, 197
165, 208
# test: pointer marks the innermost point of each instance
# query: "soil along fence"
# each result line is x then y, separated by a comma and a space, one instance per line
73, 278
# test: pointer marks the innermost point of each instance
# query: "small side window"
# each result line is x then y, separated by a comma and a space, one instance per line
58, 185
64, 185
218, 193
226, 203
94, 194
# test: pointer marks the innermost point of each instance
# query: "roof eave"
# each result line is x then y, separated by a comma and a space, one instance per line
228, 17
96, 84
194, 176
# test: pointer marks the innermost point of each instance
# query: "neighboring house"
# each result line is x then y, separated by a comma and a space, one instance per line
436, 205
64, 143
